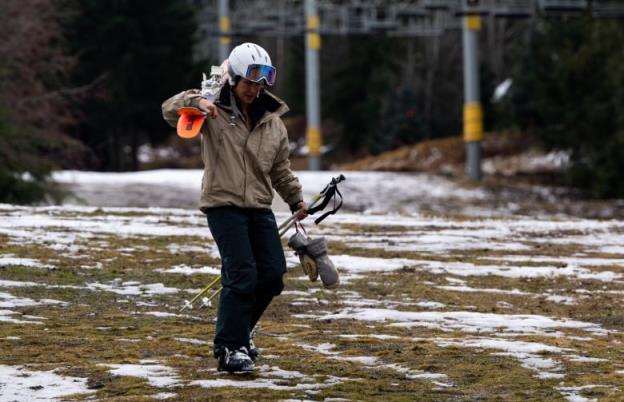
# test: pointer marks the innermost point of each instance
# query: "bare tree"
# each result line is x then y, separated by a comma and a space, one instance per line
34, 64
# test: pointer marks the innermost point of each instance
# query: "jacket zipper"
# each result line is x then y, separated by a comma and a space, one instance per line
245, 162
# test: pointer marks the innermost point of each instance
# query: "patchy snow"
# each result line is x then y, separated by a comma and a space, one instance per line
174, 178
9, 260
370, 362
465, 321
412, 374
156, 374
274, 371
507, 271
164, 314
585, 359
18, 284
133, 288
180, 188
326, 349
572, 394
274, 384
374, 336
8, 301
530, 354
577, 261
612, 249
431, 247
164, 395
15, 227
468, 289
192, 341
569, 300
175, 248
369, 264
5, 317
23, 384
187, 270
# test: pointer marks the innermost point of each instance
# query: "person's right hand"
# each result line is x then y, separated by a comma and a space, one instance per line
208, 107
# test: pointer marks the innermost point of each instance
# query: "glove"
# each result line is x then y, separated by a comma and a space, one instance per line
299, 242
314, 260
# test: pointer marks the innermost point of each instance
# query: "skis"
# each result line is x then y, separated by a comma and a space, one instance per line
191, 118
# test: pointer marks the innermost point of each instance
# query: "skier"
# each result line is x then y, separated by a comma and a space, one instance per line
245, 152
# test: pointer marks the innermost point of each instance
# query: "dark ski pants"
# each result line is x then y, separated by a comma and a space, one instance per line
252, 266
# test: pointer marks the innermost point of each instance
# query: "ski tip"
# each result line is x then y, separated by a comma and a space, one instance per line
190, 122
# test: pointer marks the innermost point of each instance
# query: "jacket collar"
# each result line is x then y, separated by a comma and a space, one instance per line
264, 108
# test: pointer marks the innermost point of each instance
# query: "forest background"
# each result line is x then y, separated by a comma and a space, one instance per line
81, 83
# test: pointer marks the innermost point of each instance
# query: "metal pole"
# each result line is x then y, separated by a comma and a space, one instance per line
473, 114
313, 45
225, 26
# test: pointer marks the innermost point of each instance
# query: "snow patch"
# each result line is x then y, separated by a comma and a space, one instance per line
465, 321
21, 384
156, 374
132, 288
187, 270
529, 353
9, 260
192, 341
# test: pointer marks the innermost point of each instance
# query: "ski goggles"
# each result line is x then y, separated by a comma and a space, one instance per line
257, 72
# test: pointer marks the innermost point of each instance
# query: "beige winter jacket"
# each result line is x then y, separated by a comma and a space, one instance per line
240, 166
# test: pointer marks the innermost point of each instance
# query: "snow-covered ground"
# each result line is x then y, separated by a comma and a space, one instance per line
540, 295
364, 191
371, 192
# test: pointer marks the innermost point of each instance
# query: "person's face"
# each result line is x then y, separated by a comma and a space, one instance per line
246, 91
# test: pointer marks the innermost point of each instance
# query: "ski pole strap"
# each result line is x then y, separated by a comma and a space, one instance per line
298, 225
328, 193
334, 210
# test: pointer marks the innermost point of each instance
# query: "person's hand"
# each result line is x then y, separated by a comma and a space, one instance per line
301, 211
208, 107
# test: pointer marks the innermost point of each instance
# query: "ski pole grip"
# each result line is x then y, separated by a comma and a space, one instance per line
338, 179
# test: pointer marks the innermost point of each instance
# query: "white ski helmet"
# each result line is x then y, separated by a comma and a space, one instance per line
251, 62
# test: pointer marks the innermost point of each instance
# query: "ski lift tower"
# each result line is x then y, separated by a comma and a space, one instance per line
313, 18
473, 112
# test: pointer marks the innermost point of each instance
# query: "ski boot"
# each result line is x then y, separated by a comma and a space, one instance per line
234, 361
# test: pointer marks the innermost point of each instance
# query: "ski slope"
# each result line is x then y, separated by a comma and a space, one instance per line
432, 306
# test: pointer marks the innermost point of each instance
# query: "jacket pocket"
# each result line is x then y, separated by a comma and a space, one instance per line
213, 152
267, 150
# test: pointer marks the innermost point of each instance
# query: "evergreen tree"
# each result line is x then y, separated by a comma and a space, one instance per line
568, 91
143, 53
358, 91
23, 173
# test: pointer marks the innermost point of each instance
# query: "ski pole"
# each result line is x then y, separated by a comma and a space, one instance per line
189, 304
287, 224
329, 190
291, 221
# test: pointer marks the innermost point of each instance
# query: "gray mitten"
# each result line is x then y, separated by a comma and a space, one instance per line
299, 243
317, 248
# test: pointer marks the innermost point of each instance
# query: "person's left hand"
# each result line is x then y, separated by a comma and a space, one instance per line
301, 211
